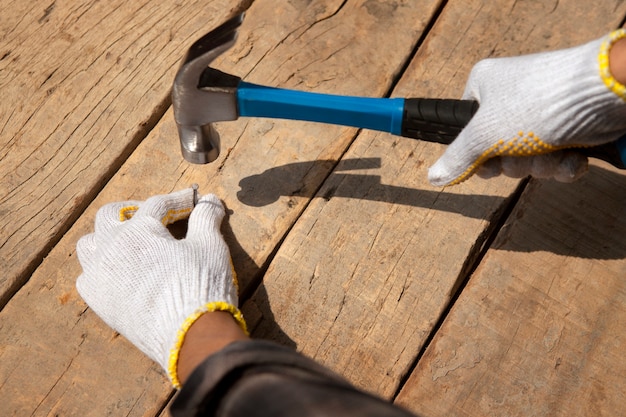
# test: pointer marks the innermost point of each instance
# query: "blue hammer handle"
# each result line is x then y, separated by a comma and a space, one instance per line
433, 120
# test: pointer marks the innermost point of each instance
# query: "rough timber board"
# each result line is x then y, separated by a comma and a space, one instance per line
60, 359
81, 82
498, 352
539, 330
366, 272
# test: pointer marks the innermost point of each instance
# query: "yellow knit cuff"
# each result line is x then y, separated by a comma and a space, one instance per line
603, 59
172, 364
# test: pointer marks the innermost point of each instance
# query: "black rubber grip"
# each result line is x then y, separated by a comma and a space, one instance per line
441, 121
436, 120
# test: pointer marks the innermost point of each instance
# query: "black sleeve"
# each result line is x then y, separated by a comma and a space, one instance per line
259, 378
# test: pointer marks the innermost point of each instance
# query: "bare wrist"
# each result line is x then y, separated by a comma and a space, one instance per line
617, 61
209, 334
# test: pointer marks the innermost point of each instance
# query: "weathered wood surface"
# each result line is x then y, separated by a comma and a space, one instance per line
539, 330
59, 357
82, 83
367, 271
369, 262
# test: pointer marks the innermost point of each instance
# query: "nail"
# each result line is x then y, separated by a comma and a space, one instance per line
194, 187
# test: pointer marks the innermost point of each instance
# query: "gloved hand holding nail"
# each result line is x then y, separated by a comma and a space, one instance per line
149, 286
537, 106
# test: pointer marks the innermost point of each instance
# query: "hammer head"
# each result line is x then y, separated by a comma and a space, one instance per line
200, 99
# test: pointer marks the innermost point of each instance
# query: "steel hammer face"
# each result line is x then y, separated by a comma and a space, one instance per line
199, 103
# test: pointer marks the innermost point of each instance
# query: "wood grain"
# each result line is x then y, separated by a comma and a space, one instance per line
365, 253
69, 361
539, 329
520, 341
82, 84
366, 272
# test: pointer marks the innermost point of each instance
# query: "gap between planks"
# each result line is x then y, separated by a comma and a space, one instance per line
474, 259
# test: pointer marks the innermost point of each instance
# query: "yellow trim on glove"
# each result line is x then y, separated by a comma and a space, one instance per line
172, 215
605, 69
172, 365
521, 145
127, 213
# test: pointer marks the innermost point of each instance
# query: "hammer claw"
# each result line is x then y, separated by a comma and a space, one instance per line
196, 109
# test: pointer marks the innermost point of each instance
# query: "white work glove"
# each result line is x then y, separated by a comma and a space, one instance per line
149, 286
535, 105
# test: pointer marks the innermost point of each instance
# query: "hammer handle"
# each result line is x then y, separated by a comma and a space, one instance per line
436, 120
432, 120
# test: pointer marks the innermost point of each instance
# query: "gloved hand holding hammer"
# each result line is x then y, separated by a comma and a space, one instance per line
538, 105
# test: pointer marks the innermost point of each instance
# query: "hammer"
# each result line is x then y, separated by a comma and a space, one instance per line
202, 95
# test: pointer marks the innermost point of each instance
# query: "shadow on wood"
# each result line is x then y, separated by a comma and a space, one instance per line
267, 187
261, 321
579, 220
560, 204
253, 298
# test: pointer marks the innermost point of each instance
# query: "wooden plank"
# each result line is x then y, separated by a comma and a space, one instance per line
86, 81
533, 334
368, 269
362, 277
60, 358
540, 328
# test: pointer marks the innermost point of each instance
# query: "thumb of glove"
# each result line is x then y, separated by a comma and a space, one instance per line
462, 157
